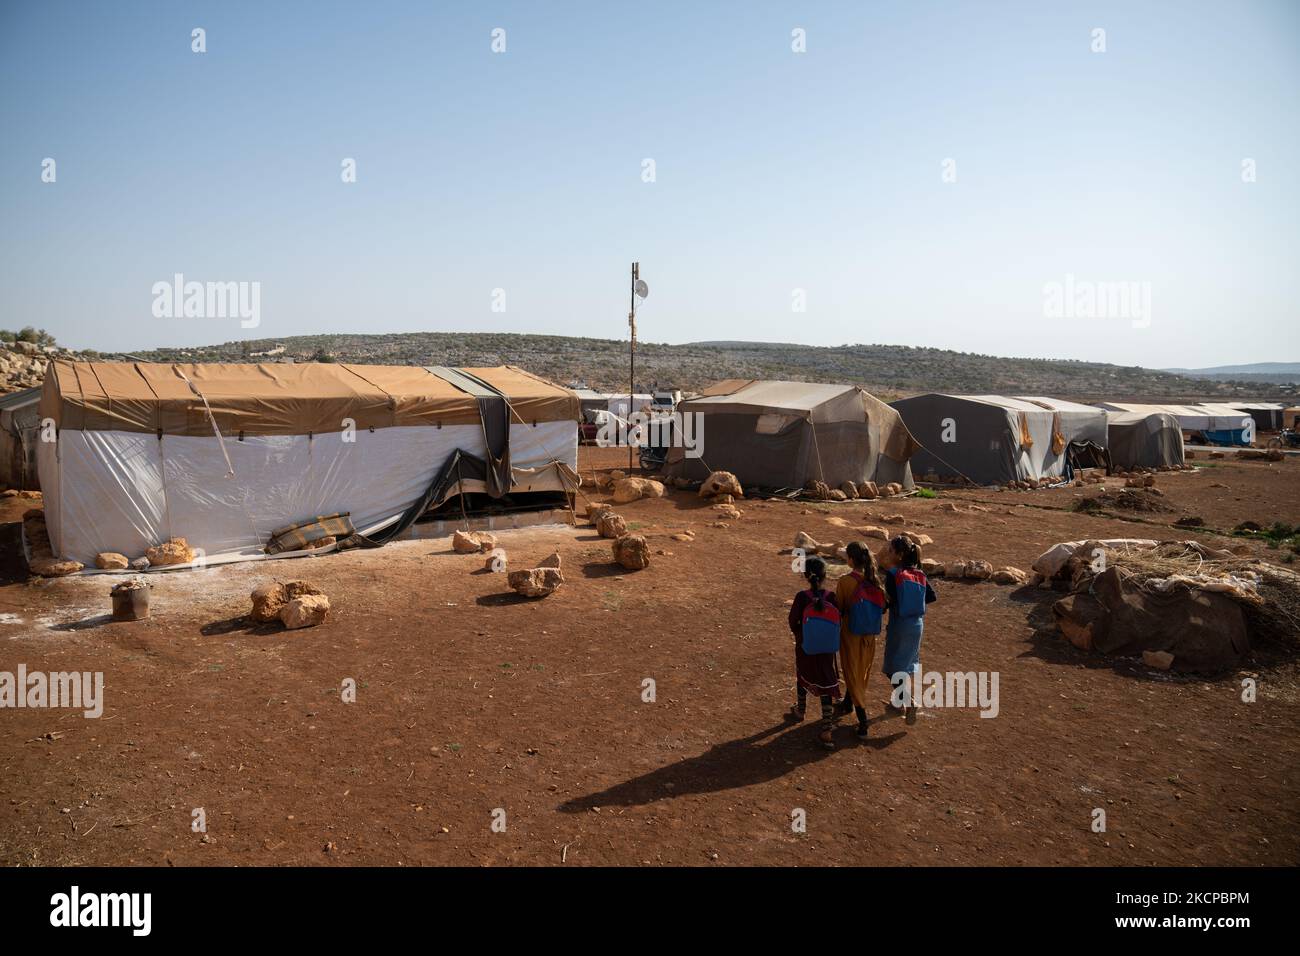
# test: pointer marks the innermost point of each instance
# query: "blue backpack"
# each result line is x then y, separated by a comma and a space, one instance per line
909, 589
866, 607
821, 629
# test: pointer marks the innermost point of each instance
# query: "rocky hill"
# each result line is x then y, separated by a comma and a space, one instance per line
22, 365
889, 371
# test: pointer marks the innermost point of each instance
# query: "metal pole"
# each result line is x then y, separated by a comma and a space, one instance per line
631, 358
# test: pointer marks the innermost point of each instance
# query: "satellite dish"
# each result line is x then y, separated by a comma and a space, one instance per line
641, 288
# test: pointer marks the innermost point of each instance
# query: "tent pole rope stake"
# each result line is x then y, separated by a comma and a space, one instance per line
230, 469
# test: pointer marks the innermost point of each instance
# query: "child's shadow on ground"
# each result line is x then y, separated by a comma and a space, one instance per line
736, 763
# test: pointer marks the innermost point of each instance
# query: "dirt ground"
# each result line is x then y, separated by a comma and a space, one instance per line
471, 700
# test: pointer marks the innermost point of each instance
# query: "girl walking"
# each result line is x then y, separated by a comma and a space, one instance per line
908, 592
815, 623
861, 596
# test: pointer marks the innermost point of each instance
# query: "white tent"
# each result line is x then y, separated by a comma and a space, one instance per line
223, 455
1191, 418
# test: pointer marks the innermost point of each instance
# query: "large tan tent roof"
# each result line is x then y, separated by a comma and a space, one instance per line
812, 400
280, 399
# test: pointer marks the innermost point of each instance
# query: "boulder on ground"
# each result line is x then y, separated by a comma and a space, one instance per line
268, 601
979, 570
631, 552
850, 489
308, 610
918, 539
597, 508
817, 489
630, 489
804, 540
871, 531
684, 536
175, 551
112, 561
868, 490
933, 568
296, 589
51, 567
472, 542
834, 494
728, 511
1009, 575
721, 483
894, 519
611, 525
535, 582
1160, 660
140, 564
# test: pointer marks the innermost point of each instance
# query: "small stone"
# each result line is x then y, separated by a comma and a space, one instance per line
631, 552
721, 483
611, 525
175, 551
54, 567
1160, 660
1009, 575
268, 601
535, 582
472, 542
630, 489
305, 611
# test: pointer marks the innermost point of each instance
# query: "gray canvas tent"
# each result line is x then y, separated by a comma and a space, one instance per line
591, 401
1267, 415
19, 424
1144, 441
993, 439
785, 434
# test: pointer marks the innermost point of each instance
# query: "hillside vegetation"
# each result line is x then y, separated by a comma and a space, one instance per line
888, 370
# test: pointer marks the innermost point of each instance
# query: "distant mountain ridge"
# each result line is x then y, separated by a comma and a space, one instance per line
1255, 372
887, 370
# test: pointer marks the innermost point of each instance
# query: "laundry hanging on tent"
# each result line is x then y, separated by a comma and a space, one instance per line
1026, 439
1058, 436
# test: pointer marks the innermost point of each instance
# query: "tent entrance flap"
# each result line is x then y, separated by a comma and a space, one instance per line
459, 465
494, 415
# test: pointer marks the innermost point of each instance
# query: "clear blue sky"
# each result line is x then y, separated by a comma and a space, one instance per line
775, 170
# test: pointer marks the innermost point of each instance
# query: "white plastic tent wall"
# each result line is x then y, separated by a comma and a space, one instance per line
126, 491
